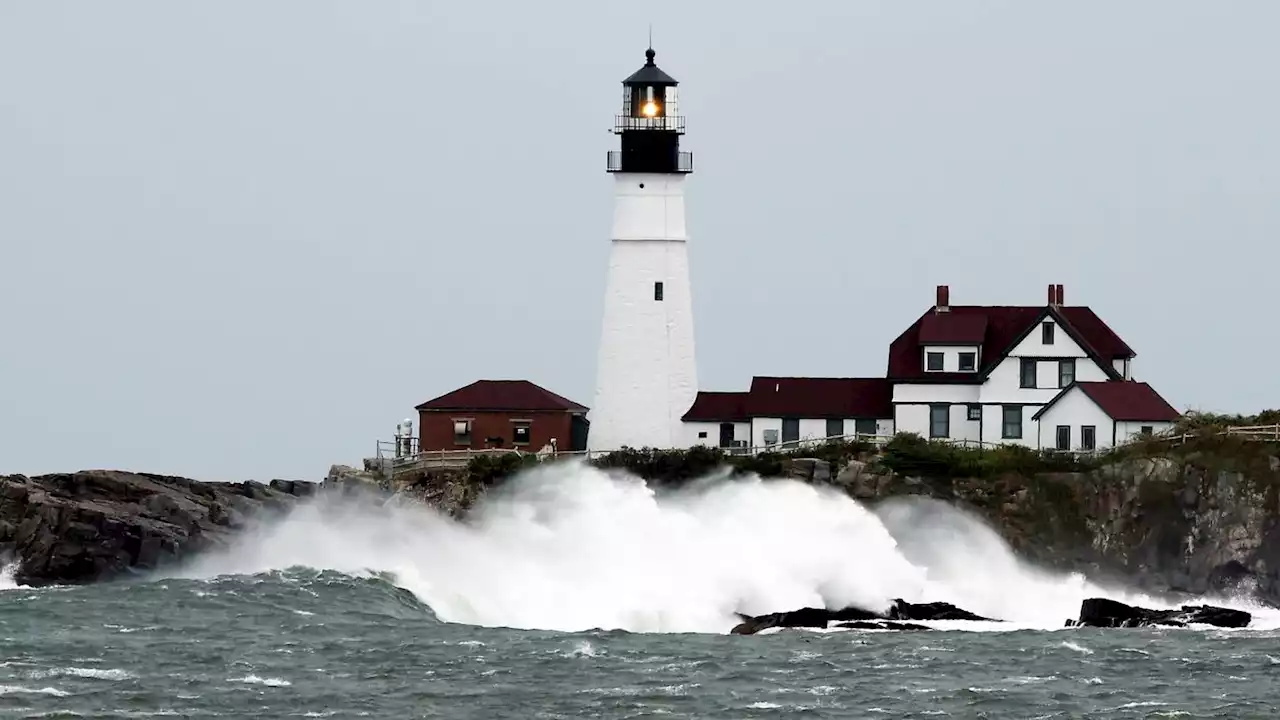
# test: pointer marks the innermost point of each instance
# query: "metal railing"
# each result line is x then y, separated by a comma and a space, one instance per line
461, 457
683, 163
623, 123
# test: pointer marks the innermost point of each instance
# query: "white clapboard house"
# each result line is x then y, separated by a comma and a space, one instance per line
1049, 376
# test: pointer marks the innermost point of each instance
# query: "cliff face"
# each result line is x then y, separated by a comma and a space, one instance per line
1186, 524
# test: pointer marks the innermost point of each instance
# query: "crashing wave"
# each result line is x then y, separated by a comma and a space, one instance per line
570, 547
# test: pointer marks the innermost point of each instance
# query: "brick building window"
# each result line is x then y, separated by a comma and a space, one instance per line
521, 432
461, 432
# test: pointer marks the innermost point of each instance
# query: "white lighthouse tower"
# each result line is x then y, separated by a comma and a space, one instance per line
646, 375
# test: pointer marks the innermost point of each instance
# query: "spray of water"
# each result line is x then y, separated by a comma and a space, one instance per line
7, 572
569, 547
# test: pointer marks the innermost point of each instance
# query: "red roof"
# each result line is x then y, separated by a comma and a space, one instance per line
1123, 400
1130, 400
718, 407
806, 397
1002, 328
947, 328
498, 395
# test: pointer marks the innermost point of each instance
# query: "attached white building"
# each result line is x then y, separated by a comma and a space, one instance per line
786, 412
1097, 415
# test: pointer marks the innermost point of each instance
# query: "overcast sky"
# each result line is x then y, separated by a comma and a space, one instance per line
243, 239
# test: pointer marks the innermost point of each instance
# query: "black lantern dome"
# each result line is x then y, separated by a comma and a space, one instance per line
650, 124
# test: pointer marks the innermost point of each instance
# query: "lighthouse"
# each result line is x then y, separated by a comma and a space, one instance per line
646, 375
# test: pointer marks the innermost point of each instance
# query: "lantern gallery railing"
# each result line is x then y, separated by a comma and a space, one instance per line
622, 123
683, 163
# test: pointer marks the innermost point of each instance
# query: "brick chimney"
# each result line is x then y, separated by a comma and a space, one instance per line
1061, 300
943, 303
1053, 294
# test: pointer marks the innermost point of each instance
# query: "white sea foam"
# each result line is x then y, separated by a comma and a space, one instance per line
7, 573
570, 547
21, 690
257, 680
88, 673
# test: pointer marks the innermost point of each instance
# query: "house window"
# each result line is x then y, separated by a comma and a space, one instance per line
939, 421
521, 433
934, 360
968, 361
1028, 372
1046, 333
1011, 428
835, 427
1064, 437
1066, 372
865, 426
1147, 430
657, 291
702, 435
1088, 437
790, 430
975, 412
461, 432
771, 436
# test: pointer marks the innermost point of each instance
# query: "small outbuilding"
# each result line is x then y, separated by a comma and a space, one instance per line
511, 414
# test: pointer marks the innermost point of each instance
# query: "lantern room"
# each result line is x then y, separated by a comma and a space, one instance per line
649, 99
650, 124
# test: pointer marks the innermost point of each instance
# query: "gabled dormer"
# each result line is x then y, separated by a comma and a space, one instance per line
951, 343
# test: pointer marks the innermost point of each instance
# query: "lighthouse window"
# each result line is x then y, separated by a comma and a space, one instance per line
657, 291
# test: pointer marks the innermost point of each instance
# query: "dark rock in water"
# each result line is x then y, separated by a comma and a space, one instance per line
903, 610
1104, 613
855, 617
98, 524
802, 618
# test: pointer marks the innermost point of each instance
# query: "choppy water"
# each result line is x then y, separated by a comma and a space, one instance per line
262, 633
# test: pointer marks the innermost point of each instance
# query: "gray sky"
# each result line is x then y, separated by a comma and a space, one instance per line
243, 239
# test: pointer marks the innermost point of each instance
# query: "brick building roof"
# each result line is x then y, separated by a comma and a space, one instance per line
502, 395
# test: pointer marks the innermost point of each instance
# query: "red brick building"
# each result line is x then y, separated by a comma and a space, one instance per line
503, 414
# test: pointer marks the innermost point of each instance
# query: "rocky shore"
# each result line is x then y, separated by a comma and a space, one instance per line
101, 524
1202, 518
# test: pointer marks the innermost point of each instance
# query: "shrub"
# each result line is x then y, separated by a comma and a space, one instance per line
489, 470
664, 466
911, 455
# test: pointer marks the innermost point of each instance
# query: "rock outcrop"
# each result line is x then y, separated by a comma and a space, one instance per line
1094, 612
1104, 613
855, 617
95, 525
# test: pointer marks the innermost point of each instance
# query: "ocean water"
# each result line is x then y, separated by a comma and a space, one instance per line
576, 594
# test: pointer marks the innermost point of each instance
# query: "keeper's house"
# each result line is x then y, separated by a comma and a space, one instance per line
1049, 376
